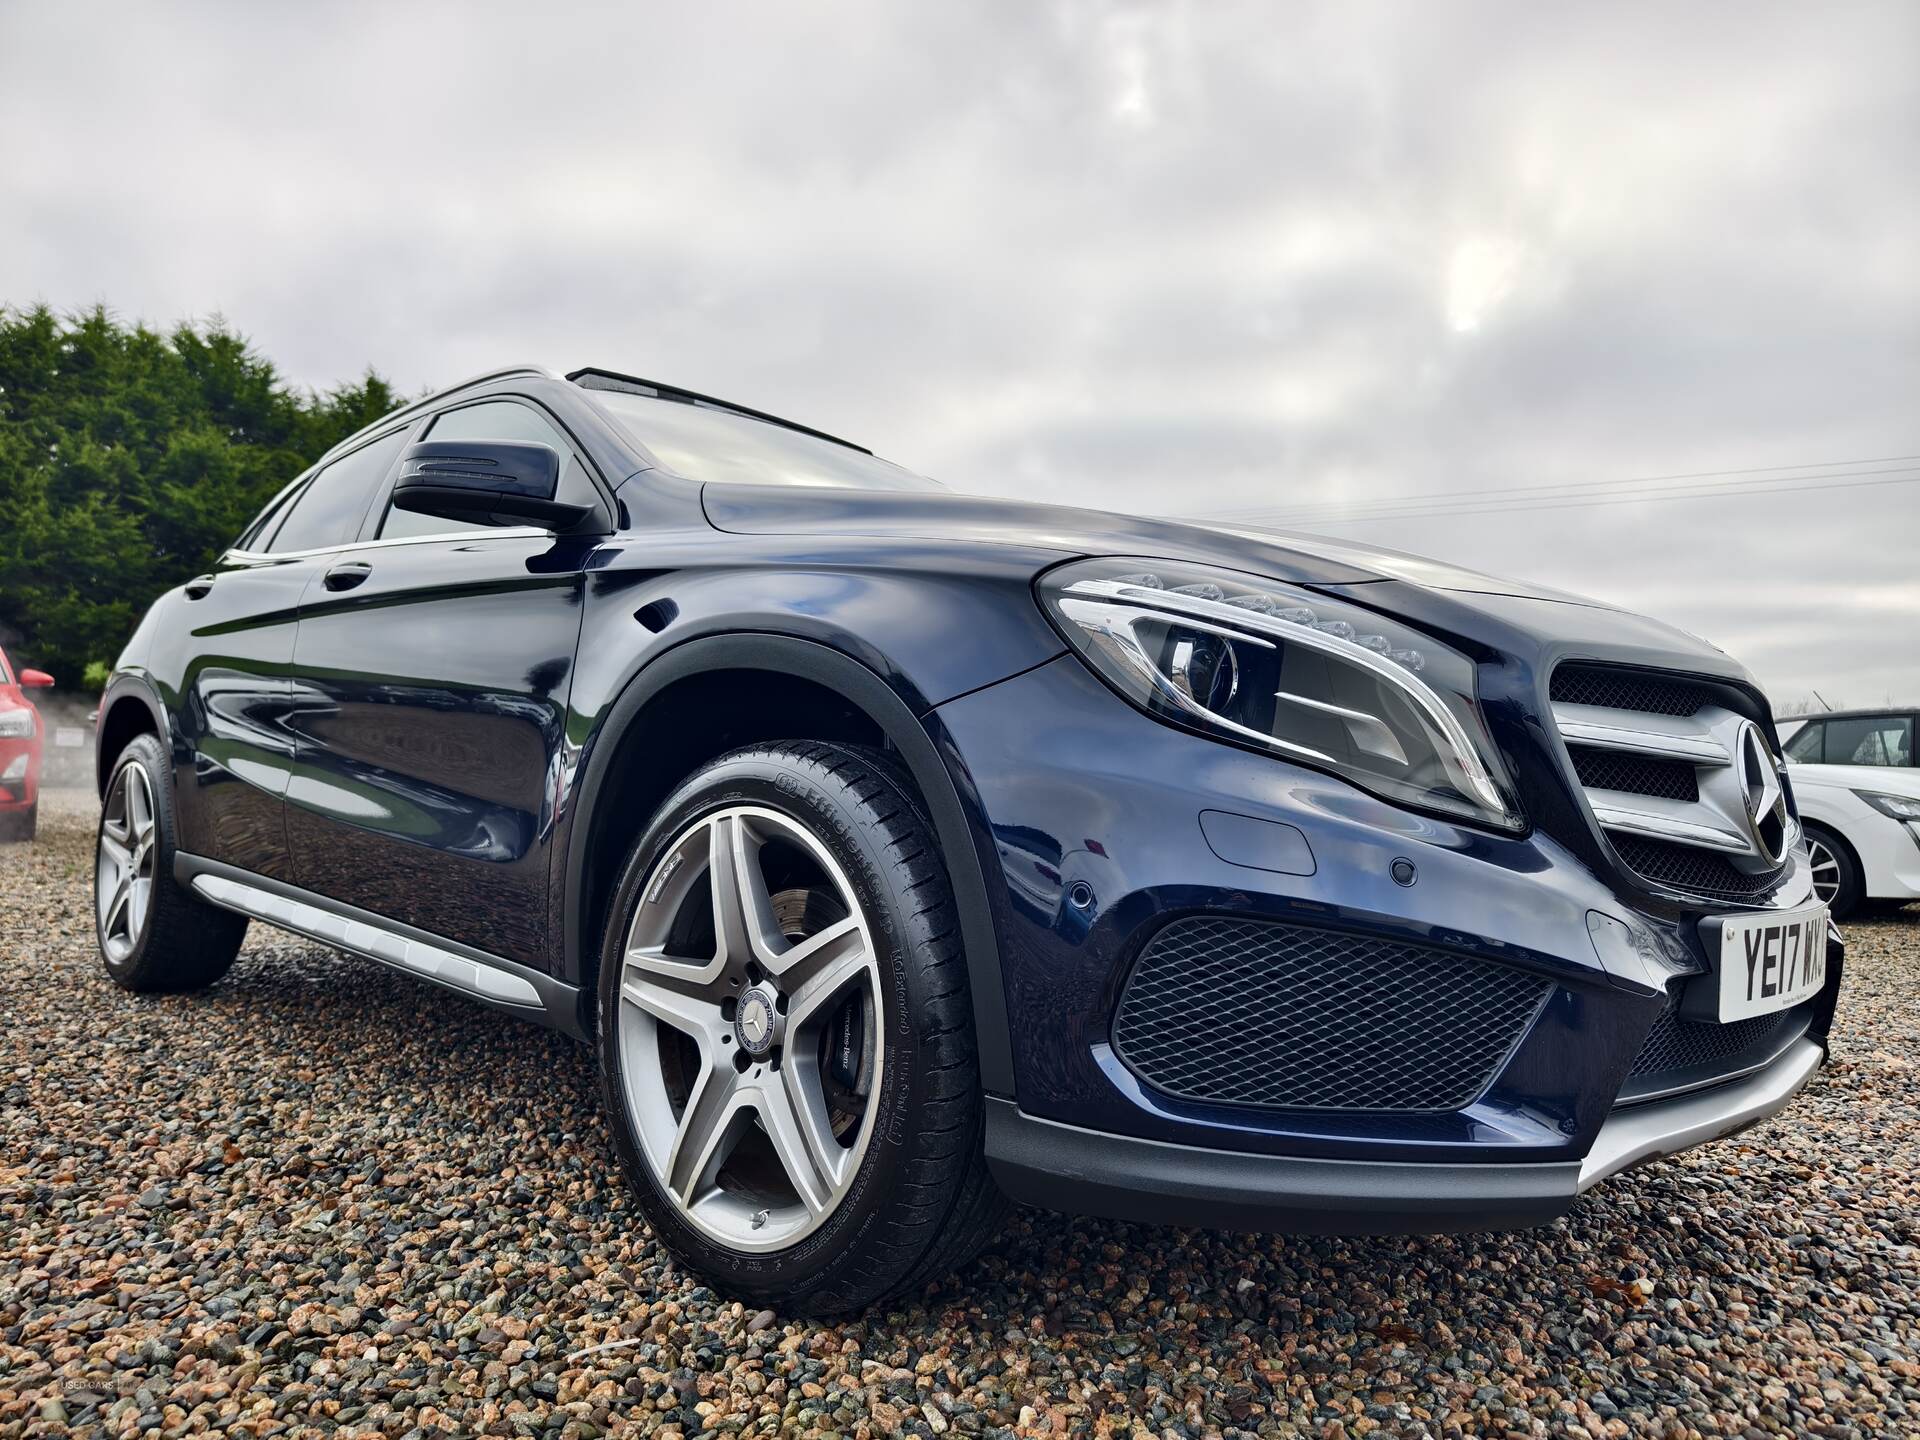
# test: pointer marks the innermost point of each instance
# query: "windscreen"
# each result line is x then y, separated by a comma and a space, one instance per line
706, 443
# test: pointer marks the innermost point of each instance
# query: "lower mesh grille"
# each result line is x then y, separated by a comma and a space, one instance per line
1703, 872
1283, 1016
1676, 1044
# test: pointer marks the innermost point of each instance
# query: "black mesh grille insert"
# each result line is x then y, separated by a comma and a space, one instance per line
1635, 774
1627, 690
1675, 1044
1287, 1017
1703, 872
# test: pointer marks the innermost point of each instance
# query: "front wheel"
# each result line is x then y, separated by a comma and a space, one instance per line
786, 1041
1836, 875
21, 824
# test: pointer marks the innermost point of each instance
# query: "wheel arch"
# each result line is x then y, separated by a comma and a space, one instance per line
128, 708
658, 698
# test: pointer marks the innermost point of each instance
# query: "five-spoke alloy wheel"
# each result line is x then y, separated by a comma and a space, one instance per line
123, 879
153, 933
749, 1064
786, 1032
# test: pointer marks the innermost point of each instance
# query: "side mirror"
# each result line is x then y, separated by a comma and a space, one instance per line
484, 482
35, 680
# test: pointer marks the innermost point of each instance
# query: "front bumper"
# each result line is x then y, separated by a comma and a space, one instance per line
1056, 1166
19, 772
1093, 824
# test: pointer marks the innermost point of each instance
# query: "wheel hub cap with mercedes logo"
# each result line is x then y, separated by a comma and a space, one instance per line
755, 1022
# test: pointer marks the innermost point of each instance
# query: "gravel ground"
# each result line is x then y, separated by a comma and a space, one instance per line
321, 1197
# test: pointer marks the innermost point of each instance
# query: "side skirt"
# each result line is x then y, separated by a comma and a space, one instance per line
504, 984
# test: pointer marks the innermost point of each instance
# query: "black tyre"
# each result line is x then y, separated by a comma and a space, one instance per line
152, 933
21, 824
1836, 874
786, 1034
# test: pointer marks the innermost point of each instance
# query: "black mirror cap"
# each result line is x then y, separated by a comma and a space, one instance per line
485, 482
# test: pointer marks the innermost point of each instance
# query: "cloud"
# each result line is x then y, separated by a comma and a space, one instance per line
1151, 256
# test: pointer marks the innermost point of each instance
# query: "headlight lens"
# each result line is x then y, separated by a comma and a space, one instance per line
16, 723
1318, 681
1898, 807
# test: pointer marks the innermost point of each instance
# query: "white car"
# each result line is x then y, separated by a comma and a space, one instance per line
1858, 788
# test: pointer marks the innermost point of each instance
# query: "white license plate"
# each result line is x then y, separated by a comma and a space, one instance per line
1771, 962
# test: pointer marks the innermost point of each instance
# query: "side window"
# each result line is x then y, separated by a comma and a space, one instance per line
492, 420
255, 536
1870, 740
1804, 748
329, 510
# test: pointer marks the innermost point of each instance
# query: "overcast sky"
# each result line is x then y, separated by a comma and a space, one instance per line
1276, 260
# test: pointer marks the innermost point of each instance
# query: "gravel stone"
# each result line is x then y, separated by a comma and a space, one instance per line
321, 1198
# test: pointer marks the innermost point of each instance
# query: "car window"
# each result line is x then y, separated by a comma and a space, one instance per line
255, 535
1805, 747
5, 677
493, 420
329, 510
1870, 740
706, 443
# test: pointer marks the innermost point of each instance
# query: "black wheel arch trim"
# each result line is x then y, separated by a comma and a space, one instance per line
130, 686
855, 682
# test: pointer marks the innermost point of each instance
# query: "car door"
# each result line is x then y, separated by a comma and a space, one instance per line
431, 676
225, 671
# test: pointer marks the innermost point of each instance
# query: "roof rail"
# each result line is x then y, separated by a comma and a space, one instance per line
503, 373
400, 412
593, 377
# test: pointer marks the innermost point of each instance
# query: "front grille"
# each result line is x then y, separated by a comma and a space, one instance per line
1616, 689
1288, 1017
1634, 774
1664, 764
1685, 867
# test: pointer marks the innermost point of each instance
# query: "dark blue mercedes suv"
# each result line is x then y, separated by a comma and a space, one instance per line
905, 854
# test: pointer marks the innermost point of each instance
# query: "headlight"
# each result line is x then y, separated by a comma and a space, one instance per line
1898, 807
16, 723
1318, 681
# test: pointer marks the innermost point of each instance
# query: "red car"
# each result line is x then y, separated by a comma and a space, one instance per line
20, 731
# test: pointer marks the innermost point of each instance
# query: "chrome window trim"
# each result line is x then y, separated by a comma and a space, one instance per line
503, 532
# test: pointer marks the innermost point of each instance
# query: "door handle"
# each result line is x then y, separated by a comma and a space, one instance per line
198, 587
346, 575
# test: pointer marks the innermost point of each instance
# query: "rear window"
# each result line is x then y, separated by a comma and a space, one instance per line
706, 443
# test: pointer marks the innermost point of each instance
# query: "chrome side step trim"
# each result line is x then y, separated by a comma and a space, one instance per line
495, 982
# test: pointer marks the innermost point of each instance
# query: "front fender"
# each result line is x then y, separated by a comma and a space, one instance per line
897, 720
129, 705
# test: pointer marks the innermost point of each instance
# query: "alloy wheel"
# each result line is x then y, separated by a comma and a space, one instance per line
1826, 870
123, 874
749, 1028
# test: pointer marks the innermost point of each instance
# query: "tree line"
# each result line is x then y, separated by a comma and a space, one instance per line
129, 460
